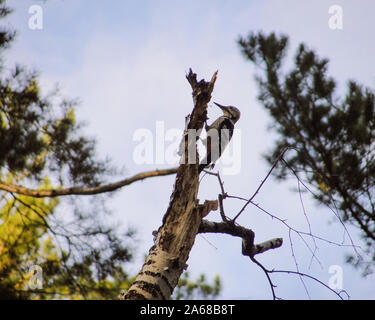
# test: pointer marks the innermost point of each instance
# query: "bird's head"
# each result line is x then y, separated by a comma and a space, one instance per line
230, 112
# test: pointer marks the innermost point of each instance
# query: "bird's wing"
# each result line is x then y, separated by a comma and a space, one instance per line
217, 140
226, 132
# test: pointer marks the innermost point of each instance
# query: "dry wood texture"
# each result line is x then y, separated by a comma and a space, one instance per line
175, 238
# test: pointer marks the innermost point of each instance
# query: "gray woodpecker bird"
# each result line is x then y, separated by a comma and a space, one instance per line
221, 129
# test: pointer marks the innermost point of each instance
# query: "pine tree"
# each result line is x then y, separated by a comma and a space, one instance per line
331, 139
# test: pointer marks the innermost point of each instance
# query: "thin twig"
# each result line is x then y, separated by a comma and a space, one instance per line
296, 263
308, 223
266, 272
333, 211
262, 183
300, 274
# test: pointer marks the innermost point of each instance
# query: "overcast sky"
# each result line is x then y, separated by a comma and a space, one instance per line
126, 61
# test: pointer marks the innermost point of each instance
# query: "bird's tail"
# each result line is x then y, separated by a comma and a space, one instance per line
201, 167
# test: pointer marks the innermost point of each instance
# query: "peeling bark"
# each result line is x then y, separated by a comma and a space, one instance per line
175, 238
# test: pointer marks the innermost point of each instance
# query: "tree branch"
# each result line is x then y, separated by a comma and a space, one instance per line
84, 190
261, 184
300, 274
248, 247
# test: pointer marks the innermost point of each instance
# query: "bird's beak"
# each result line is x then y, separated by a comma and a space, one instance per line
220, 106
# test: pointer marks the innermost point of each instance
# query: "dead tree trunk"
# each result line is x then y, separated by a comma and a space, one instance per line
175, 238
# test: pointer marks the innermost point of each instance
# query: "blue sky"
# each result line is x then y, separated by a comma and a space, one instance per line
126, 62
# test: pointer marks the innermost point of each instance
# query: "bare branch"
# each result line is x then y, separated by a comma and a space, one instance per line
299, 232
208, 206
221, 196
247, 235
221, 183
267, 273
333, 211
298, 273
267, 245
312, 278
296, 262
221, 205
84, 190
262, 183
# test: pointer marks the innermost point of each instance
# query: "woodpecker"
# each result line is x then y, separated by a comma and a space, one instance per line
222, 128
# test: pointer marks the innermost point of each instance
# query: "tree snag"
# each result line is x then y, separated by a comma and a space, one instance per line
175, 238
